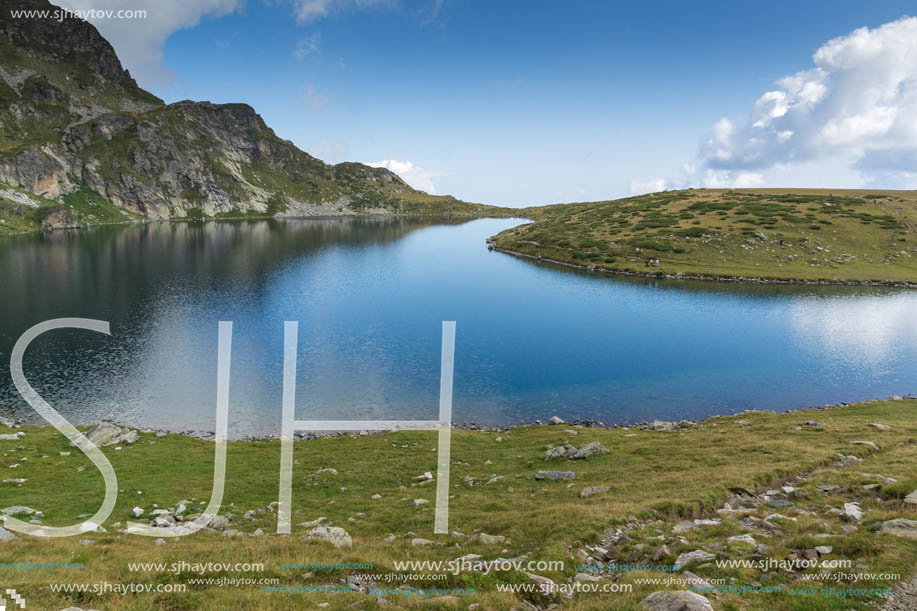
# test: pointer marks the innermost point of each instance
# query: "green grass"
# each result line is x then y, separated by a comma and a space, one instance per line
808, 234
652, 475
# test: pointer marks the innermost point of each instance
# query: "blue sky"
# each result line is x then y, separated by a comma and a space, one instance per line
523, 103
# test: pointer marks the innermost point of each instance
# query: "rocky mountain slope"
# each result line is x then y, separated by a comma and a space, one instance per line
81, 142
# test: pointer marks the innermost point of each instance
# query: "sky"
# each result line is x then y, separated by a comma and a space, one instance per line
525, 103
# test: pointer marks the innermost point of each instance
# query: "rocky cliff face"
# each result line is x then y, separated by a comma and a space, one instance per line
75, 127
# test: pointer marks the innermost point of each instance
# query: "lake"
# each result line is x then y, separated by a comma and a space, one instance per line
370, 295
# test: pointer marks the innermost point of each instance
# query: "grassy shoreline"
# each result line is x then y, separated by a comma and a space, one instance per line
656, 479
755, 235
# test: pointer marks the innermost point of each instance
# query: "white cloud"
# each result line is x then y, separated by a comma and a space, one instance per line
138, 42
857, 104
313, 97
308, 11
650, 186
414, 175
307, 46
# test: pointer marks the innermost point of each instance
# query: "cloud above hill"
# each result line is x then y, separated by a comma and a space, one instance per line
138, 42
412, 174
857, 104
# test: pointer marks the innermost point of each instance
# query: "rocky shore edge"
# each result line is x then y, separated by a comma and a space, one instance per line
644, 425
708, 277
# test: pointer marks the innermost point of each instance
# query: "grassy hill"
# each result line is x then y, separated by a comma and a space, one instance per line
774, 234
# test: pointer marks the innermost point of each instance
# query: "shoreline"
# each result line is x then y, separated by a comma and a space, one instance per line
708, 278
147, 221
654, 425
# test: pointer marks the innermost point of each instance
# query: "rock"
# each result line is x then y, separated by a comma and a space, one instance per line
16, 510
688, 558
683, 527
823, 550
11, 436
335, 535
588, 491
488, 539
6, 536
555, 475
828, 487
881, 427
753, 523
564, 451
162, 522
586, 578
418, 542
900, 528
424, 477
661, 553
852, 511
419, 502
376, 497
780, 503
911, 499
544, 584
679, 600
327, 471
160, 541
218, 522
590, 449
742, 539
813, 424
136, 512
103, 432
661, 425
865, 443
699, 583
555, 420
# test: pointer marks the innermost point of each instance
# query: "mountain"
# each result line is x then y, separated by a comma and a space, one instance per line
81, 142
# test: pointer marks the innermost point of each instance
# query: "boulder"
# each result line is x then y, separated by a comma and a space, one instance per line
564, 451
900, 527
555, 475
6, 535
590, 449
488, 539
679, 600
588, 491
16, 510
689, 558
555, 420
103, 432
911, 499
335, 535
419, 502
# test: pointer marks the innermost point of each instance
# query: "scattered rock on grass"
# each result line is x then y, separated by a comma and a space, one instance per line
588, 491
555, 475
680, 600
335, 535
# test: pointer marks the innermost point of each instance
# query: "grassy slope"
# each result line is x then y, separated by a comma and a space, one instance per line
846, 235
651, 474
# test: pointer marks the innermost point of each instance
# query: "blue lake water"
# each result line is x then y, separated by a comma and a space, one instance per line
532, 340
